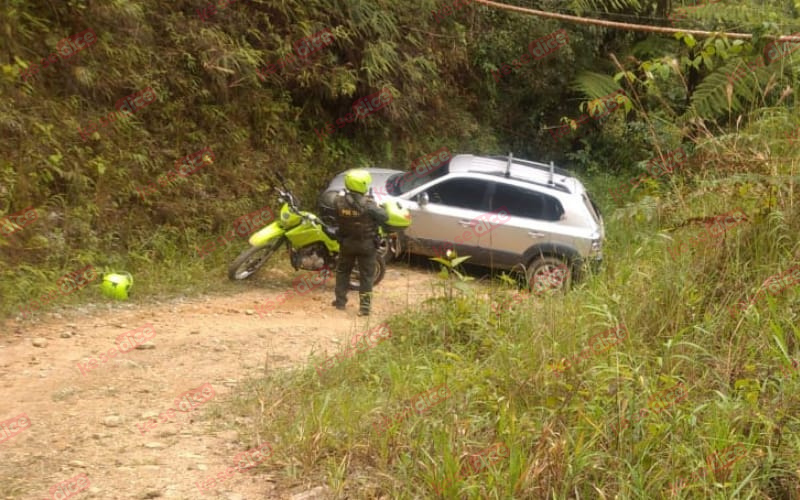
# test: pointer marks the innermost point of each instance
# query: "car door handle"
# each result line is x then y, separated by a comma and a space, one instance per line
467, 223
535, 234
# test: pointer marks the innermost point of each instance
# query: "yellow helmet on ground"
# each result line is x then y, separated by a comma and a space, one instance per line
117, 285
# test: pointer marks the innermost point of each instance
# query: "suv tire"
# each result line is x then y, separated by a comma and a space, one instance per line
548, 274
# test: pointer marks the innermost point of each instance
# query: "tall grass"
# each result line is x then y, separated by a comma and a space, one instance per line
500, 370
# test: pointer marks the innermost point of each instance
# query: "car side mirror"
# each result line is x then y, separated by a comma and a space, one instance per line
423, 199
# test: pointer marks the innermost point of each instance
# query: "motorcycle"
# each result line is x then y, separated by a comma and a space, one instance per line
311, 242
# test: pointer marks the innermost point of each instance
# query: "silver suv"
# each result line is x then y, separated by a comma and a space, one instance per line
505, 212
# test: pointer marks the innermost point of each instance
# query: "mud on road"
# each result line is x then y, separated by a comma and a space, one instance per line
92, 421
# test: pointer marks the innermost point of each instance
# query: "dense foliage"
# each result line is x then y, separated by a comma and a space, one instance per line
209, 73
208, 69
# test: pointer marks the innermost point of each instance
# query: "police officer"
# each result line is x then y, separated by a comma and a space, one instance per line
358, 217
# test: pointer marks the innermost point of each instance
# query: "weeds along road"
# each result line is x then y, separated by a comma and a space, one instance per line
92, 422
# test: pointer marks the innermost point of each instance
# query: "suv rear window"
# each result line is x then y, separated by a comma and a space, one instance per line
593, 209
526, 203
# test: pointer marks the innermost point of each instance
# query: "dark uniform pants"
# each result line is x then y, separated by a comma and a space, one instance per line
364, 253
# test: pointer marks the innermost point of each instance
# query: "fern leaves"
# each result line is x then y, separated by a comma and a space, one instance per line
581, 6
595, 85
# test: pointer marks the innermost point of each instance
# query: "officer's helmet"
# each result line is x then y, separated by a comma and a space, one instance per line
357, 180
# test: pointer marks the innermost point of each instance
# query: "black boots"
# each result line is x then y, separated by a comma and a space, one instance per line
363, 309
364, 300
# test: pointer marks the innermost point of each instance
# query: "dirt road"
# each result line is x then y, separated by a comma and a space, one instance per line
92, 420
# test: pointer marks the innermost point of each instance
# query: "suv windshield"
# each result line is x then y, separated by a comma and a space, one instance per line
403, 183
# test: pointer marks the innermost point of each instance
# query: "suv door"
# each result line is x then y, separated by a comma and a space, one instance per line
533, 219
447, 220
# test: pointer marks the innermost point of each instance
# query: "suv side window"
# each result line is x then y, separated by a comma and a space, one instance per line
526, 203
459, 193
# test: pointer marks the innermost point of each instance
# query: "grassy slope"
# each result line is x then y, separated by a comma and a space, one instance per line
560, 430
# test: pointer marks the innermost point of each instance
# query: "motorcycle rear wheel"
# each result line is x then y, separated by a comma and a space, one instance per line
389, 248
380, 271
251, 260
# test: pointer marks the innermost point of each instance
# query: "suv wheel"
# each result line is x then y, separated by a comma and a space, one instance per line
548, 274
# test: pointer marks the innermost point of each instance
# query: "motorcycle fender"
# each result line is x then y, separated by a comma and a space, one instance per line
263, 236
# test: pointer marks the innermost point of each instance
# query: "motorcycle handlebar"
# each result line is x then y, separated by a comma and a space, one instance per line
287, 197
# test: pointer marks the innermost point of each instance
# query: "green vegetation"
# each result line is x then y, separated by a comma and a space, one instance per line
209, 94
680, 92
501, 372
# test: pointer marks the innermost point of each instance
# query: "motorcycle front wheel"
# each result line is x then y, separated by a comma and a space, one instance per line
249, 261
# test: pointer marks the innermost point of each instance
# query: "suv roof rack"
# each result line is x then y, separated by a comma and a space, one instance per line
533, 164
500, 173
